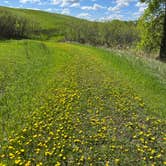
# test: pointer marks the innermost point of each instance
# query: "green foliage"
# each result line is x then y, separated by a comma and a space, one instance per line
16, 26
151, 25
112, 34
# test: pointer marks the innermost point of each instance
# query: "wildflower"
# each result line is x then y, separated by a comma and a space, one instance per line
64, 158
39, 164
2, 156
24, 130
151, 157
117, 161
153, 151
107, 163
22, 150
11, 155
58, 164
17, 161
60, 155
82, 158
11, 147
28, 163
51, 133
158, 156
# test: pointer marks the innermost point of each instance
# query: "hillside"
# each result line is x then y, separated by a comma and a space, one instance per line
46, 20
49, 24
68, 104
33, 24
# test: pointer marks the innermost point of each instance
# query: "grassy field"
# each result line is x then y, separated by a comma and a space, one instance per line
69, 104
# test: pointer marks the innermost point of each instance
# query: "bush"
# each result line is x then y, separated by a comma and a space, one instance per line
16, 26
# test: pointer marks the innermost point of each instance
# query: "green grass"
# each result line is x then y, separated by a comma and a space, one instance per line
26, 69
146, 76
69, 104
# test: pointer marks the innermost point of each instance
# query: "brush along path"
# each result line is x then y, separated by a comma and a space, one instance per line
87, 118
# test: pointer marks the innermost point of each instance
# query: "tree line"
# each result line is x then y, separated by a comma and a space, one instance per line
111, 34
115, 33
152, 26
16, 26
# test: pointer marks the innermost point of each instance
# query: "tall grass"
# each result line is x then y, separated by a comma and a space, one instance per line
146, 76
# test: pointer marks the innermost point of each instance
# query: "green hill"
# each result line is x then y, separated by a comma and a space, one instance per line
49, 24
23, 23
45, 19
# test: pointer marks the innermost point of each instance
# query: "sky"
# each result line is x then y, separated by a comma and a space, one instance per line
96, 10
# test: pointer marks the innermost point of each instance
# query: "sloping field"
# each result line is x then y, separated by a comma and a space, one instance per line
51, 26
66, 104
47, 20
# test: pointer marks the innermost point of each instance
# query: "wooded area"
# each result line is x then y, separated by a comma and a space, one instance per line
147, 34
153, 27
16, 26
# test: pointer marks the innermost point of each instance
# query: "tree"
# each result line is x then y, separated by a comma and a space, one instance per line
154, 22
16, 26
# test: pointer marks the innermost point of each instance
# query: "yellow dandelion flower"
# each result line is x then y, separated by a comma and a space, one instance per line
39, 164
28, 163
117, 161
10, 147
2, 156
11, 155
82, 158
24, 130
47, 153
58, 164
17, 161
152, 138
158, 156
60, 155
151, 157
64, 158
22, 150
153, 151
51, 133
107, 163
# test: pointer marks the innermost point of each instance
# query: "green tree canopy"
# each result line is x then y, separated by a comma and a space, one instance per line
152, 26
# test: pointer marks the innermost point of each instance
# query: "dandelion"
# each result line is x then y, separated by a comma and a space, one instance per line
28, 163
17, 161
39, 164
82, 158
58, 164
11, 155
117, 161
107, 163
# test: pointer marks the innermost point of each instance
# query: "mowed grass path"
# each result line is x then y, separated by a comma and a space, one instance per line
79, 109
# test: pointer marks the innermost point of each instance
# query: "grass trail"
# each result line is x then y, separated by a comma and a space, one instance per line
85, 115
26, 69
